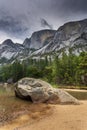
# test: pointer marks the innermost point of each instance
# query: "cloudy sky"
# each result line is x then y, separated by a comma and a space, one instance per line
19, 18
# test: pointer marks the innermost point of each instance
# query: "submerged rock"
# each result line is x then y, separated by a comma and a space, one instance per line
39, 91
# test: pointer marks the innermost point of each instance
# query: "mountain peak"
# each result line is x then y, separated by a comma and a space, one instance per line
8, 42
38, 38
27, 42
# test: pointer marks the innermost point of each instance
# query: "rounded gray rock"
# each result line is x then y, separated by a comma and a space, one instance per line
39, 91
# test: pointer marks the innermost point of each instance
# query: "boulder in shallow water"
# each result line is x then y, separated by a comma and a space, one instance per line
39, 91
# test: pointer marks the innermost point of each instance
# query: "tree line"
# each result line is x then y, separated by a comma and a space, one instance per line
67, 69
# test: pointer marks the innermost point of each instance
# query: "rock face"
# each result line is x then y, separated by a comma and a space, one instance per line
39, 38
39, 91
70, 36
10, 50
27, 42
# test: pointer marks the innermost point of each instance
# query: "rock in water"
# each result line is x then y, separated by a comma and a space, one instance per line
39, 91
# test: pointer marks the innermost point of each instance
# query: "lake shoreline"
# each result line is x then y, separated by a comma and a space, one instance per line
13, 109
61, 117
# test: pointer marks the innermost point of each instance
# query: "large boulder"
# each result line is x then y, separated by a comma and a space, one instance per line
39, 91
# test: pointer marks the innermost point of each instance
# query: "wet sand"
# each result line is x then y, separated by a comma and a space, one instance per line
58, 117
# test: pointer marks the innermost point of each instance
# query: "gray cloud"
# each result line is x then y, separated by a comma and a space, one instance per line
19, 18
76, 5
70, 6
44, 23
10, 25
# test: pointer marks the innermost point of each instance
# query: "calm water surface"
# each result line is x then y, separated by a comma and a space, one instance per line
79, 95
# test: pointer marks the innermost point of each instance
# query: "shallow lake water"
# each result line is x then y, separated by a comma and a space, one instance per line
81, 95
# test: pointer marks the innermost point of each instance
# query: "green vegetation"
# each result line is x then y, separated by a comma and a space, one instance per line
64, 70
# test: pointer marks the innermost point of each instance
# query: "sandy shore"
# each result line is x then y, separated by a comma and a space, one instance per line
62, 117
76, 90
